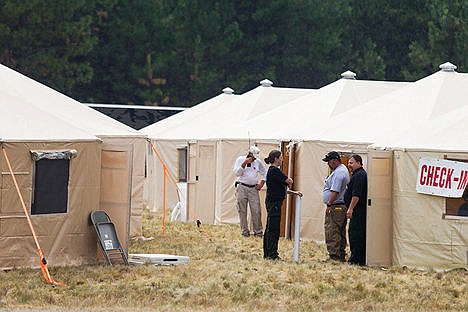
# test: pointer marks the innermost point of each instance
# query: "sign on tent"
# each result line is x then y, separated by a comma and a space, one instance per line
441, 177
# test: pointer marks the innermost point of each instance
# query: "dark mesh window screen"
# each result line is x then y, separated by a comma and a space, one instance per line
51, 186
182, 164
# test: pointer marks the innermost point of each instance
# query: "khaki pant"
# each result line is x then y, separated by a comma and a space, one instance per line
249, 195
335, 232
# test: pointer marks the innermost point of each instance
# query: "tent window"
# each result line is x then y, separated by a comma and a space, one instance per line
457, 206
182, 163
50, 193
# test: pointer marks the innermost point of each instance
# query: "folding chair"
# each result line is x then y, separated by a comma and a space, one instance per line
107, 236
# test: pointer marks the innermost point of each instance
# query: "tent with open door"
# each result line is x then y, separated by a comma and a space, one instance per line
427, 229
421, 102
396, 112
304, 120
213, 137
123, 148
353, 127
58, 168
172, 150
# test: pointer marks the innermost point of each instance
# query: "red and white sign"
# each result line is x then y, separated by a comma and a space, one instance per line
441, 177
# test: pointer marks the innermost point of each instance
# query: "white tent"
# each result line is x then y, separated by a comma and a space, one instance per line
303, 120
214, 133
417, 102
270, 116
401, 107
164, 128
65, 237
425, 231
396, 112
167, 144
226, 115
307, 116
123, 148
431, 106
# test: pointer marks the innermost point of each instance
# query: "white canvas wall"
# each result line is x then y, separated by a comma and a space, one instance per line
422, 237
311, 173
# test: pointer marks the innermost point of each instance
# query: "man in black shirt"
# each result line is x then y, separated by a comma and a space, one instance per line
356, 201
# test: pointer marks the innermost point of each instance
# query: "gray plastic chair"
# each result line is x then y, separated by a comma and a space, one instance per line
107, 236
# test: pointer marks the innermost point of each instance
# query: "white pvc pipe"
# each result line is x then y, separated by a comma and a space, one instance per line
297, 228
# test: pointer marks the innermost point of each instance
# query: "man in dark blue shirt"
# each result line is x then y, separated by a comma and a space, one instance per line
356, 201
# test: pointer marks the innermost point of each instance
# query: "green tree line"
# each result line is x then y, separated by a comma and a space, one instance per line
181, 52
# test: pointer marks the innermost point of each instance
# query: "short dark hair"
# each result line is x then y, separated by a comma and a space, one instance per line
271, 157
357, 158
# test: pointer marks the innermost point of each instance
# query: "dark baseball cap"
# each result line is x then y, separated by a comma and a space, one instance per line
331, 155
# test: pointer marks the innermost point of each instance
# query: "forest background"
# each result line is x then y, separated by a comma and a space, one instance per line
181, 52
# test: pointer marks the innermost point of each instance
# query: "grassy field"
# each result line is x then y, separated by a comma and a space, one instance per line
228, 273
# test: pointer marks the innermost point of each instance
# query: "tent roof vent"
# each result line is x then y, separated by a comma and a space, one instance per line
266, 83
348, 75
447, 67
228, 90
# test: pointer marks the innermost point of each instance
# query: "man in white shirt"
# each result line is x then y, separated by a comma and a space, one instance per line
247, 170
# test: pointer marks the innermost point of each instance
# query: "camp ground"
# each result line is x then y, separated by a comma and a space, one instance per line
348, 119
190, 157
37, 144
122, 156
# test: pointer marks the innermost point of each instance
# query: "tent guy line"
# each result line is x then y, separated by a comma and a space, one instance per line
48, 278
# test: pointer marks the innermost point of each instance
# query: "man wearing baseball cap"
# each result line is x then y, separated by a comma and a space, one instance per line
335, 214
247, 170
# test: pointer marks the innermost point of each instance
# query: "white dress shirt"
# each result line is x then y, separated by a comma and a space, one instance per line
249, 175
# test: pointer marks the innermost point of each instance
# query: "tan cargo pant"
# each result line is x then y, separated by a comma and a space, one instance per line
249, 195
335, 232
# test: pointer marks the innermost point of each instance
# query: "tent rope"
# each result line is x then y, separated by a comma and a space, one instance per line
45, 272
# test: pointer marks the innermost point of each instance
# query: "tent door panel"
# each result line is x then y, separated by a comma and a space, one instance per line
379, 210
192, 182
205, 183
116, 181
288, 208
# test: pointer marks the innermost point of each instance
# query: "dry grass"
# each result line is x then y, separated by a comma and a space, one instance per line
229, 274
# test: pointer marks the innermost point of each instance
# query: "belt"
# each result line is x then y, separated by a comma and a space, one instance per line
248, 185
337, 204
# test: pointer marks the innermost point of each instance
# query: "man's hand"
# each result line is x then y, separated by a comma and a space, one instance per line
248, 160
259, 185
354, 201
295, 193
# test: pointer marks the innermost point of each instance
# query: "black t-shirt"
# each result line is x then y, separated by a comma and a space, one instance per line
276, 185
357, 187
